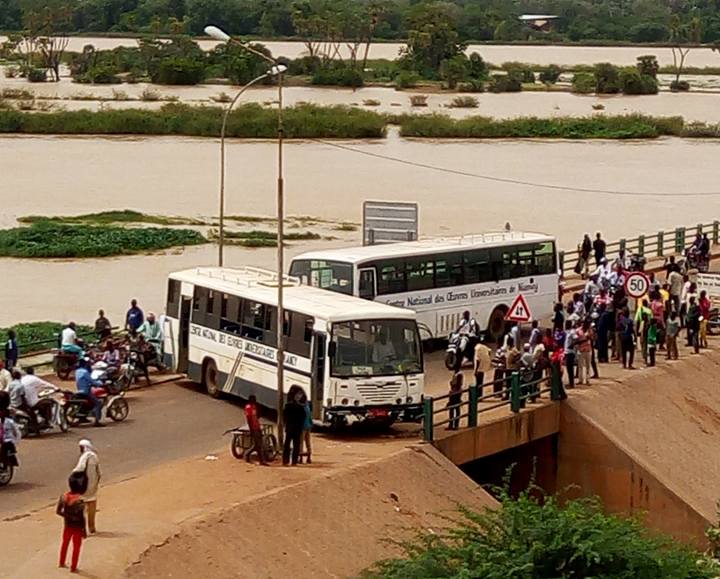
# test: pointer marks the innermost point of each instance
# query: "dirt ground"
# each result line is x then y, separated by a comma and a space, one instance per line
211, 514
668, 420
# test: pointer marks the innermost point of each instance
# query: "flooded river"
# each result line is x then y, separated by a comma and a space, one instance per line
496, 54
178, 176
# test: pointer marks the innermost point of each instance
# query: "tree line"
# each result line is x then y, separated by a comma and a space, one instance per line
639, 21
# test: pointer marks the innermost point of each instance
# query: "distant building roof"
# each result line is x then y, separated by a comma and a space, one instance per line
533, 17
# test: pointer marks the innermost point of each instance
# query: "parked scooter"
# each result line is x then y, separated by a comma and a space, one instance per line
461, 348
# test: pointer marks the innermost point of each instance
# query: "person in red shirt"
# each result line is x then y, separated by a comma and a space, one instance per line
72, 509
253, 422
705, 305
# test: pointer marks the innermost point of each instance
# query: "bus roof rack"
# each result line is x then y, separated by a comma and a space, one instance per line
248, 276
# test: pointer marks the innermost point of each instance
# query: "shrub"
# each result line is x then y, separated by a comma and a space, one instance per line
304, 66
464, 102
607, 78
472, 86
648, 65
583, 83
101, 75
418, 100
551, 74
222, 97
338, 74
537, 536
37, 75
371, 103
406, 79
522, 71
120, 95
149, 95
701, 130
12, 71
679, 86
510, 82
633, 82
477, 67
179, 71
453, 70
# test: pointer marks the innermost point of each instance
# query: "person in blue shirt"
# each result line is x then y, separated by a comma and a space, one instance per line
12, 351
84, 383
134, 317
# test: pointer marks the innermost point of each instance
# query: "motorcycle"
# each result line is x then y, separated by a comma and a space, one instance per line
78, 408
49, 413
461, 348
8, 464
64, 363
696, 260
637, 262
114, 379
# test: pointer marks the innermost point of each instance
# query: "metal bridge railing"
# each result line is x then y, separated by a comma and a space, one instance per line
514, 391
658, 244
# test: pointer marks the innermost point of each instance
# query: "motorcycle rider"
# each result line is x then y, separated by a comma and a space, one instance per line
33, 387
19, 398
152, 331
9, 432
468, 325
70, 342
84, 384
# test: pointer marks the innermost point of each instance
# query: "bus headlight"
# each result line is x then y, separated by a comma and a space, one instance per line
356, 403
344, 402
409, 399
398, 401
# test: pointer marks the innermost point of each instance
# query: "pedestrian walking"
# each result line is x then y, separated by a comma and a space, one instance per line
88, 469
482, 364
599, 247
692, 323
71, 507
652, 341
627, 340
252, 417
307, 430
12, 352
671, 336
569, 348
704, 304
585, 249
455, 400
584, 352
512, 364
294, 419
134, 317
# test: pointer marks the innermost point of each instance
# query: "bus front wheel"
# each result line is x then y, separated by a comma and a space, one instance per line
496, 324
210, 379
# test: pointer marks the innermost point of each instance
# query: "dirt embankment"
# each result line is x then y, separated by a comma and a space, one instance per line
331, 526
667, 420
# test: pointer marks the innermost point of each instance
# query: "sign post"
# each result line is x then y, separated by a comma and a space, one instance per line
519, 311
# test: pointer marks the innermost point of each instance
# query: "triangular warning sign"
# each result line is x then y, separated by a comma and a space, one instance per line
519, 310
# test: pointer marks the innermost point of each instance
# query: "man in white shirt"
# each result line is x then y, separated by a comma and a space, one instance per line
5, 377
34, 386
69, 341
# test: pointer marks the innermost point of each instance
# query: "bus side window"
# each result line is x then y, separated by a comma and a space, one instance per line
173, 299
367, 284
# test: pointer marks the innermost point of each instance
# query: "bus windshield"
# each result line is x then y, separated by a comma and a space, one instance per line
375, 348
335, 276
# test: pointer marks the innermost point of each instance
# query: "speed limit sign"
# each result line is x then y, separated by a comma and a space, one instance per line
636, 284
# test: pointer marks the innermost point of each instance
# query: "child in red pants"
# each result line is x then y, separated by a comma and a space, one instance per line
72, 509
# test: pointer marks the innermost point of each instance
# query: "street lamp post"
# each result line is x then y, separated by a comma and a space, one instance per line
277, 70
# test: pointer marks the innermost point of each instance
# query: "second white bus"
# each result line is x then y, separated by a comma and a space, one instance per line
354, 359
441, 278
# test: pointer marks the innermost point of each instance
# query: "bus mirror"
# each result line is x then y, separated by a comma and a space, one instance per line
332, 349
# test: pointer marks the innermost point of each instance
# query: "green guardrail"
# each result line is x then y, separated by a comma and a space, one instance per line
514, 391
28, 349
655, 245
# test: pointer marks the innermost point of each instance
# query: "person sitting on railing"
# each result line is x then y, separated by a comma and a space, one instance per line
70, 342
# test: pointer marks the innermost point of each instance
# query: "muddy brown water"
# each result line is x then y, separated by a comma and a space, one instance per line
179, 176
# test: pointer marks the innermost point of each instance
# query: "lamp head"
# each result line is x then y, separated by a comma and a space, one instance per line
217, 33
277, 70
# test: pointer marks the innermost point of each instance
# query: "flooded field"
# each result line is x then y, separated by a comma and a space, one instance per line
178, 176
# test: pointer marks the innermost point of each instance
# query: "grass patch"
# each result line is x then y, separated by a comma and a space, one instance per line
257, 238
54, 240
115, 216
248, 121
250, 218
28, 334
596, 127
346, 227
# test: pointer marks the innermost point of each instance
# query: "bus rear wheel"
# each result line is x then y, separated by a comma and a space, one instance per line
210, 379
497, 324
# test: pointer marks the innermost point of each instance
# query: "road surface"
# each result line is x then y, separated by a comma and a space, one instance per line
166, 422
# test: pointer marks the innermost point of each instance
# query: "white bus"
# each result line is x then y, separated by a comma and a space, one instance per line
441, 278
354, 359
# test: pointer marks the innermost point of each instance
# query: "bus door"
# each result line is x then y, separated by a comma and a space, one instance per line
318, 373
184, 337
367, 283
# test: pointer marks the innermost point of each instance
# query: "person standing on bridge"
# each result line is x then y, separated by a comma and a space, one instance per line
455, 400
569, 349
483, 363
704, 304
294, 419
89, 465
71, 507
671, 336
252, 417
12, 352
692, 323
583, 266
134, 317
599, 248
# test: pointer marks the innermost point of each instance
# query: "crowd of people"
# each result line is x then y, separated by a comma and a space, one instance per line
598, 325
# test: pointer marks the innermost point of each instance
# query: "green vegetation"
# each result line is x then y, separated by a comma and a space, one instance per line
249, 121
535, 537
596, 127
109, 217
46, 333
49, 240
258, 238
